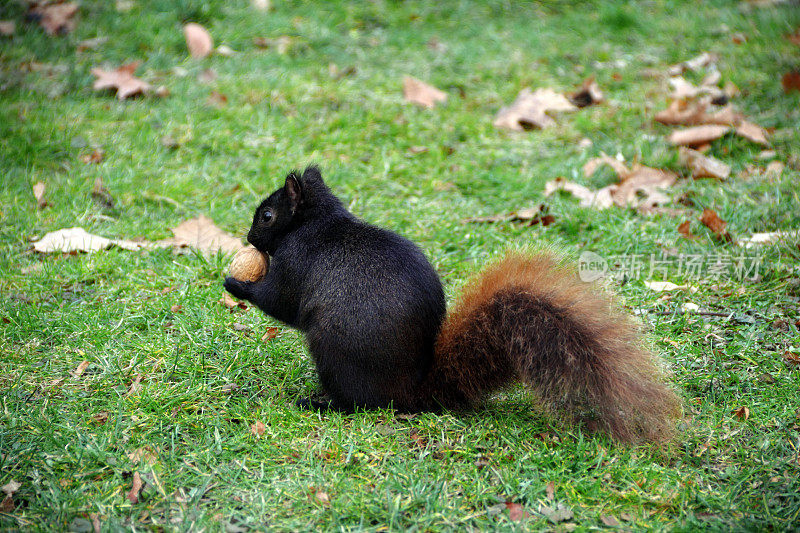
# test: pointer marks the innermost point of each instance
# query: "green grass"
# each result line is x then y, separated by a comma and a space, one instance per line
67, 439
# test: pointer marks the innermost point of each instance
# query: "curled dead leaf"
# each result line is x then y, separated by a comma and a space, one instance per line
231, 304
80, 369
588, 94
752, 132
600, 199
690, 113
712, 221
198, 40
38, 194
136, 488
78, 239
742, 413
531, 110
685, 230
703, 166
54, 18
516, 512
270, 334
258, 428
591, 166
698, 135
95, 156
420, 93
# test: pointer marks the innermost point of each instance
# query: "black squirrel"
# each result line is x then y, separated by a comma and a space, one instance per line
373, 312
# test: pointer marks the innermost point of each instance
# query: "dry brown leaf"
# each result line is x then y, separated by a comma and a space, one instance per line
38, 194
121, 79
202, 234
7, 28
588, 94
791, 81
641, 187
100, 418
136, 488
269, 334
609, 520
101, 194
703, 166
690, 113
420, 93
11, 487
741, 412
559, 513
80, 369
217, 99
91, 44
591, 166
685, 229
550, 490
228, 301
530, 110
145, 455
136, 385
320, 496
516, 512
711, 220
258, 428
55, 19
752, 132
682, 89
600, 199
698, 135
198, 40
78, 239
95, 156
696, 63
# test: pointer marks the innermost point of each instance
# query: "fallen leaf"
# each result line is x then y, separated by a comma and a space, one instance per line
775, 168
701, 61
80, 369
752, 132
591, 166
321, 497
101, 194
530, 110
7, 505
55, 19
258, 428
136, 488
38, 194
667, 286
7, 28
641, 187
516, 512
791, 81
769, 237
217, 99
100, 418
240, 327
121, 79
420, 93
682, 89
531, 216
202, 234
792, 358
225, 50
588, 94
91, 44
600, 199
228, 301
136, 385
198, 40
711, 220
690, 113
559, 513
550, 490
698, 135
261, 5
684, 229
95, 156
145, 454
609, 520
742, 413
11, 487
176, 308
78, 239
703, 166
270, 334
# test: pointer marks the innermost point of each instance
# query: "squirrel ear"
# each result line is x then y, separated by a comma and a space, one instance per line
293, 191
312, 174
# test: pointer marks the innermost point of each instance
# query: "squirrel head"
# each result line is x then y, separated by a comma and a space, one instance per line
302, 198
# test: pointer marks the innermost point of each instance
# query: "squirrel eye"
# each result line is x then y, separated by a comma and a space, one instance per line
267, 215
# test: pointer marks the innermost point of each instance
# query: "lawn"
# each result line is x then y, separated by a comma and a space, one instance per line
175, 381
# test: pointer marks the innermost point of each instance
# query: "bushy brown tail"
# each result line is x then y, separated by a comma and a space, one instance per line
528, 318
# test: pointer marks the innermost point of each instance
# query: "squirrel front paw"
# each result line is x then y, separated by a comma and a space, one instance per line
240, 289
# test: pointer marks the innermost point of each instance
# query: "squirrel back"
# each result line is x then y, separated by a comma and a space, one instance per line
373, 311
